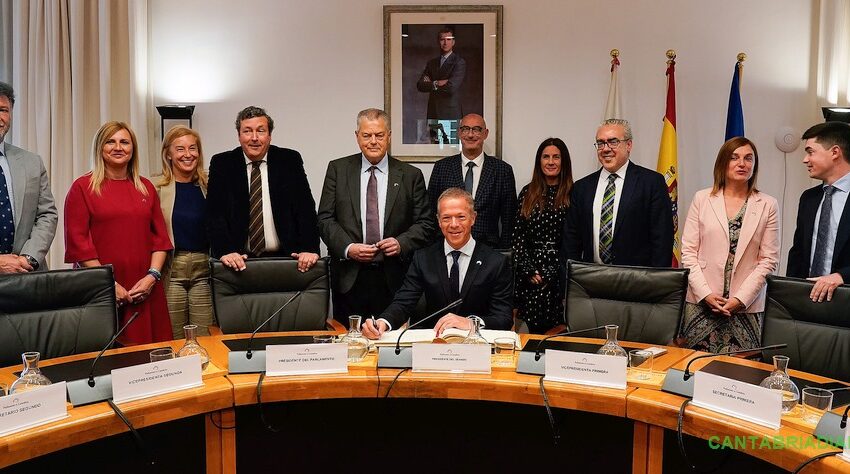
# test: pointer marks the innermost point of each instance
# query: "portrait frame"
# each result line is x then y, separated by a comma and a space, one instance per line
482, 93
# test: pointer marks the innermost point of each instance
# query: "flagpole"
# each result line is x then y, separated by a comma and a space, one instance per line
668, 164
612, 104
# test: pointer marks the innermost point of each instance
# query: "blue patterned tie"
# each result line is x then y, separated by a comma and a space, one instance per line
820, 266
7, 221
467, 180
454, 275
606, 221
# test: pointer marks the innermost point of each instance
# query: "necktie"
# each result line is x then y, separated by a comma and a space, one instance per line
7, 221
467, 180
373, 223
256, 233
442, 60
454, 275
606, 222
820, 266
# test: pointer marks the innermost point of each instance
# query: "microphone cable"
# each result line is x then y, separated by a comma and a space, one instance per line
556, 436
263, 418
813, 459
140, 442
389, 389
681, 442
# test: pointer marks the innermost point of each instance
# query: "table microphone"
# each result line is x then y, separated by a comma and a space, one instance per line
688, 374
449, 306
108, 345
566, 333
248, 354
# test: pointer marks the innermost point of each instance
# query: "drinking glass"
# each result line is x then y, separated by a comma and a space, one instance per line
640, 363
504, 348
162, 354
816, 402
323, 339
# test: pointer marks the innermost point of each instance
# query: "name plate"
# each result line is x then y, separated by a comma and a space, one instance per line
456, 358
846, 454
586, 369
156, 378
731, 397
23, 410
304, 359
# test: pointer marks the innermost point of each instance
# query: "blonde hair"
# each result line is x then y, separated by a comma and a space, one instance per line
178, 131
98, 172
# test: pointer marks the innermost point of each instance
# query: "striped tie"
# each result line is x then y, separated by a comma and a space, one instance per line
606, 222
256, 233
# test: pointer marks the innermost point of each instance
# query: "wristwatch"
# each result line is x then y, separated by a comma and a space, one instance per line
32, 261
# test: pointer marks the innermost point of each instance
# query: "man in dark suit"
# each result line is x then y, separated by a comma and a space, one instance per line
259, 202
821, 248
487, 178
455, 267
442, 79
27, 213
621, 214
373, 215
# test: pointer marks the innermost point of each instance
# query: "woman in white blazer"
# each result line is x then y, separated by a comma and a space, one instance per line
730, 243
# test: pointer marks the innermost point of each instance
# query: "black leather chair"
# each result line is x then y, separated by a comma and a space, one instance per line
817, 334
56, 313
645, 302
243, 300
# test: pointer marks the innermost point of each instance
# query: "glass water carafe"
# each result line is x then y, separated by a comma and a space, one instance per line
191, 347
358, 346
474, 336
611, 346
779, 380
31, 377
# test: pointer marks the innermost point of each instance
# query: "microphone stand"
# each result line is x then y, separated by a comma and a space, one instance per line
398, 359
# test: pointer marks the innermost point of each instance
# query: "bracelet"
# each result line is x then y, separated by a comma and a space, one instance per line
155, 274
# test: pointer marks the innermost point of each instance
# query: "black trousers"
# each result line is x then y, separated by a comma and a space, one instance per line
369, 296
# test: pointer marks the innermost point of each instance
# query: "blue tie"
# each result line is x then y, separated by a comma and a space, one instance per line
7, 221
454, 275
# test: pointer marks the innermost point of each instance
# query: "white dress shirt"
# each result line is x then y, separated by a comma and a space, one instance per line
597, 203
269, 229
839, 200
476, 170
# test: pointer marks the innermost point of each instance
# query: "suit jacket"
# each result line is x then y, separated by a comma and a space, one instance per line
643, 231
293, 207
799, 257
705, 248
495, 198
487, 290
444, 102
405, 217
35, 210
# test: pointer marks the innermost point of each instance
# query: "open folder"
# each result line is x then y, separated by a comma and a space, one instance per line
389, 338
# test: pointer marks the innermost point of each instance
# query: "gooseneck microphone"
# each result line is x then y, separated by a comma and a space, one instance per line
248, 353
108, 345
567, 333
449, 306
688, 373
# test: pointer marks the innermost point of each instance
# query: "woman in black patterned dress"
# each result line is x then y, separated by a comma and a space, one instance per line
537, 237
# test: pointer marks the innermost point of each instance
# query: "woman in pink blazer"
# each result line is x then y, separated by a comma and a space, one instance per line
730, 243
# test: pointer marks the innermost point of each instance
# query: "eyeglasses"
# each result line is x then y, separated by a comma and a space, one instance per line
612, 143
473, 130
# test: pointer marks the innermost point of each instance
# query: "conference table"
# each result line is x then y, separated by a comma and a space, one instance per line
394, 419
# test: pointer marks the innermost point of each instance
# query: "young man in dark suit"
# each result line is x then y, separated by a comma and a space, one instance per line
487, 178
621, 214
821, 248
455, 267
259, 202
373, 215
442, 79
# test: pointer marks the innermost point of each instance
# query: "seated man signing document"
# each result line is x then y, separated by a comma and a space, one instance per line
455, 267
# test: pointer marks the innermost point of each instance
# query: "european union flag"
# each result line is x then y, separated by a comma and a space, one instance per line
735, 114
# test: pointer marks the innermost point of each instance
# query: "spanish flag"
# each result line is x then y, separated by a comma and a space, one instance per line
668, 164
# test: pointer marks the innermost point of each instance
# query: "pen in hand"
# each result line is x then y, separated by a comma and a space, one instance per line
375, 323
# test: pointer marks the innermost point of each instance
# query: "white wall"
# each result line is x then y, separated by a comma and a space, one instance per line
314, 65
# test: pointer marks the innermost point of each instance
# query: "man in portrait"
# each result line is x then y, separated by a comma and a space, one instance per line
441, 80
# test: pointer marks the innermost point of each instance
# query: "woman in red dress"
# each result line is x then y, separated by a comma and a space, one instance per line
112, 216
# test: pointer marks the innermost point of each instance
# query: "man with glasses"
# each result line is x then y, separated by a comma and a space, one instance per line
259, 202
27, 213
621, 214
488, 179
373, 215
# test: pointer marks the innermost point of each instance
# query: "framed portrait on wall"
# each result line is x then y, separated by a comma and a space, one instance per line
440, 63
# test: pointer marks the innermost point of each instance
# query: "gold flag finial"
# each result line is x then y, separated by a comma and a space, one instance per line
671, 54
615, 52
742, 57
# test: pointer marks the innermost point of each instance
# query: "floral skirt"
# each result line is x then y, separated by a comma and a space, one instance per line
706, 331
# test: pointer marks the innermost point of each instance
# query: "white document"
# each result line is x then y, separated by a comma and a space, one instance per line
456, 358
303, 359
156, 378
389, 338
743, 400
23, 410
586, 369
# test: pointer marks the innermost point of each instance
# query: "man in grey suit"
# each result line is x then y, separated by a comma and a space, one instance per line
27, 213
373, 214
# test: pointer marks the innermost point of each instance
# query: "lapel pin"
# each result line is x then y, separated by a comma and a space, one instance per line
478, 262
395, 184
